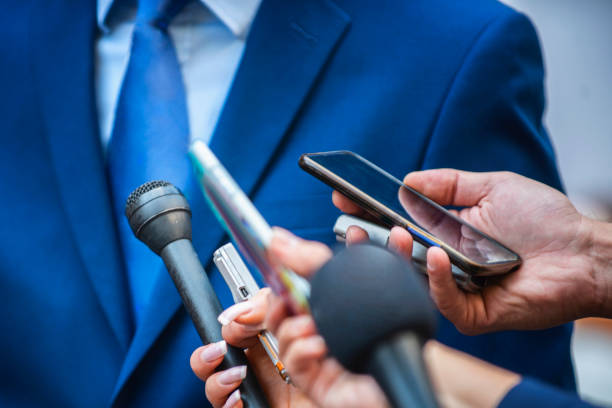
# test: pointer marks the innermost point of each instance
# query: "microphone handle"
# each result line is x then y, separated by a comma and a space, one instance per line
398, 367
203, 307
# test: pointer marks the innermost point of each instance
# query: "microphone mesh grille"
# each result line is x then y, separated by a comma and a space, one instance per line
146, 187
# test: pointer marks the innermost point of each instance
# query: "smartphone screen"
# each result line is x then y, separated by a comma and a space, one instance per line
352, 174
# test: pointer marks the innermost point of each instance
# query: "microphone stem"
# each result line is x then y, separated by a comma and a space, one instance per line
192, 284
203, 307
398, 367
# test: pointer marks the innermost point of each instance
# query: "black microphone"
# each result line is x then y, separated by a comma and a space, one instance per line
159, 216
375, 316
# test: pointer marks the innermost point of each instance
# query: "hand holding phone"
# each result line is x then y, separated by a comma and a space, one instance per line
392, 203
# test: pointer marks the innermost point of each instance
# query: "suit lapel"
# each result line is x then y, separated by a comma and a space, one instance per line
287, 48
288, 44
64, 69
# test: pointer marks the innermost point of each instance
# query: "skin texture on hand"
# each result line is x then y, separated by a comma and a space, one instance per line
302, 350
243, 322
556, 282
601, 257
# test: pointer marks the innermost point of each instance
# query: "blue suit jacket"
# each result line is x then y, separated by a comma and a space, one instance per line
408, 84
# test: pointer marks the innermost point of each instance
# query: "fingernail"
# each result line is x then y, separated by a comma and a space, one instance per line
213, 351
232, 399
232, 375
231, 313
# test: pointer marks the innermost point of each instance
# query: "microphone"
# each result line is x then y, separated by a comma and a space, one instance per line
375, 316
159, 216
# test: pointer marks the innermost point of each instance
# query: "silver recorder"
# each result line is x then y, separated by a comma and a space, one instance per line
380, 235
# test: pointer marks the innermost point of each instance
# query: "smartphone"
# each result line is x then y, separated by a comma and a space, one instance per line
245, 225
392, 203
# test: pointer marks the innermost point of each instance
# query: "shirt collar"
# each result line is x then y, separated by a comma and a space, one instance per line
237, 15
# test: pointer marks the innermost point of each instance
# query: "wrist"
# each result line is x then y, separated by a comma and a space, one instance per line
599, 257
462, 380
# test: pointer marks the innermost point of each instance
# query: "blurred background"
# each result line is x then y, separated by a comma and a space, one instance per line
576, 38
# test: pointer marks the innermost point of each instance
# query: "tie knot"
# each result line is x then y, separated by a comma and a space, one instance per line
159, 13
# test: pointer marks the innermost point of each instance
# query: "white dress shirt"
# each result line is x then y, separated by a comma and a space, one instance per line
209, 37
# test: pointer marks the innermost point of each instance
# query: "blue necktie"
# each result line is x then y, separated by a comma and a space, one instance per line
150, 136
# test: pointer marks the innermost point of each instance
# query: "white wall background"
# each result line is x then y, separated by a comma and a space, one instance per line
576, 37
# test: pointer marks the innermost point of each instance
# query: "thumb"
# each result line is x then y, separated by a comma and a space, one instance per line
452, 187
449, 299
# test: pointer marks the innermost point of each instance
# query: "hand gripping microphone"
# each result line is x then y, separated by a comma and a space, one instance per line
375, 316
159, 216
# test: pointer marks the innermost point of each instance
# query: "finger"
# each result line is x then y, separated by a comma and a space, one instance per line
452, 187
233, 312
304, 351
205, 359
346, 205
260, 307
243, 321
356, 235
220, 385
240, 335
277, 312
234, 400
302, 256
293, 328
449, 299
400, 241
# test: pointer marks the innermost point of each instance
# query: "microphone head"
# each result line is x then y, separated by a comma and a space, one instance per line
364, 295
158, 214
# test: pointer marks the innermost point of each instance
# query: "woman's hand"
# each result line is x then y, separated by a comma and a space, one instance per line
302, 349
242, 323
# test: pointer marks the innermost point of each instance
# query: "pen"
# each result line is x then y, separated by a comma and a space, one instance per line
243, 287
